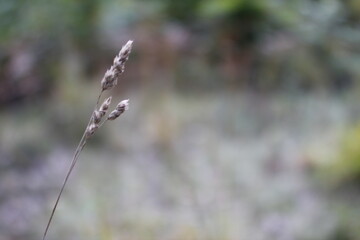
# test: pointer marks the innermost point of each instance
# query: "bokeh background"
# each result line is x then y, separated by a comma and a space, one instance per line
244, 119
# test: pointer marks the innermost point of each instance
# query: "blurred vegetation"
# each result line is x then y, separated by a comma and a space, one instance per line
229, 95
269, 45
345, 165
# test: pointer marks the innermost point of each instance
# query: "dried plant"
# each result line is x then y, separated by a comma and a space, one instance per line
97, 119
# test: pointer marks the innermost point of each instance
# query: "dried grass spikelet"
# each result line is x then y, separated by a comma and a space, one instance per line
105, 106
111, 76
120, 108
99, 114
109, 81
91, 129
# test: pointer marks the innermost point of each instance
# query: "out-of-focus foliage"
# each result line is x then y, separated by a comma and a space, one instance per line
267, 45
226, 98
213, 8
185, 10
345, 167
33, 19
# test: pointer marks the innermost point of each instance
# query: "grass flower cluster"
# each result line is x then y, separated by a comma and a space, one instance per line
98, 118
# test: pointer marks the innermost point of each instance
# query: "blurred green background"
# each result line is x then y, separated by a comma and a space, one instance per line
244, 119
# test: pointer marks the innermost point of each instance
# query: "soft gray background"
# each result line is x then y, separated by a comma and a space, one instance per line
243, 120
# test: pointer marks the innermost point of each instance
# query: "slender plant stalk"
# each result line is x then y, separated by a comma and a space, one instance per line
97, 118
75, 158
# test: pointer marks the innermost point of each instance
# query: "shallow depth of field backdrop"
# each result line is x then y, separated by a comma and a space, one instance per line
244, 120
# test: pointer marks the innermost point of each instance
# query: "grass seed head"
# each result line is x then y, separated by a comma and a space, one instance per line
105, 106
91, 129
120, 109
111, 76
